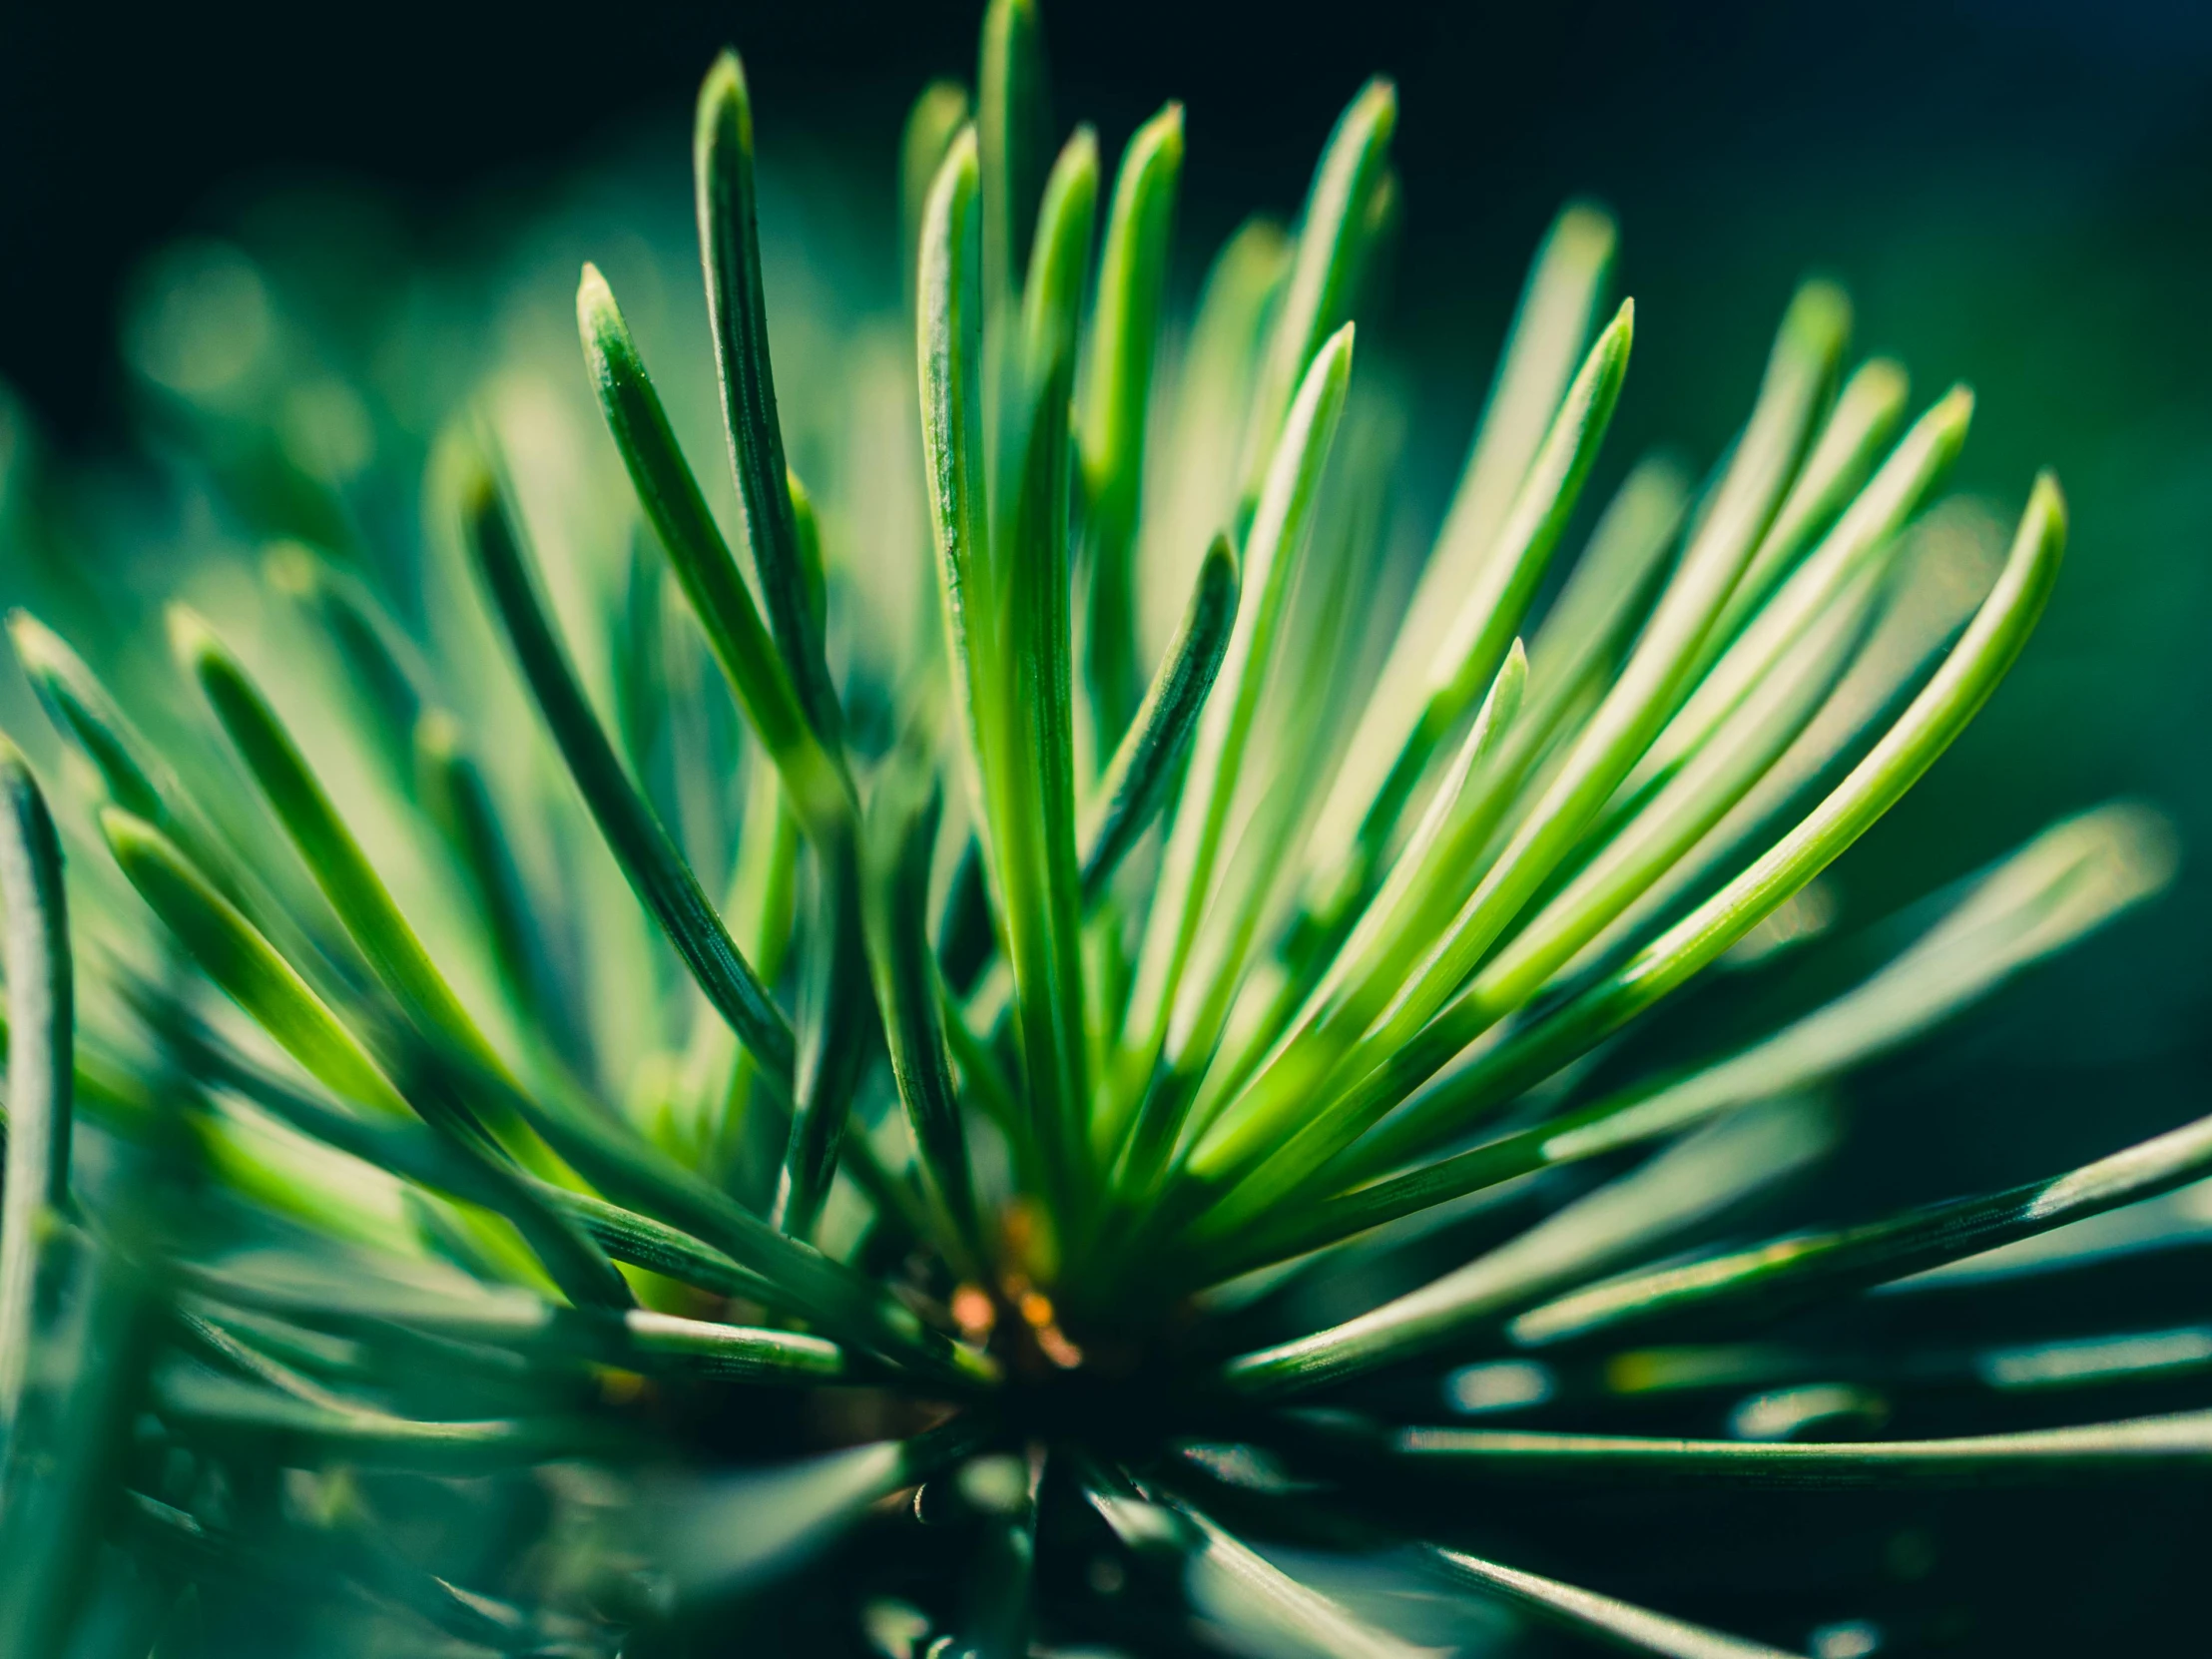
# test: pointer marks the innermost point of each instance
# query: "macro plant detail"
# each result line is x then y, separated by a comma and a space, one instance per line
540, 1119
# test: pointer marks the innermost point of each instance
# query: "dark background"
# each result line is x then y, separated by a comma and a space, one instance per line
121, 126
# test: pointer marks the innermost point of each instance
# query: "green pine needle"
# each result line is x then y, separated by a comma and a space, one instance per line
658, 1087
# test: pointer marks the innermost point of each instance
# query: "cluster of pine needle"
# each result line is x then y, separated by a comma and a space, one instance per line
1067, 1062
